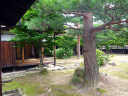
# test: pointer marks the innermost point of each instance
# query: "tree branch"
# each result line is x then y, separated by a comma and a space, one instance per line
121, 15
116, 29
76, 13
70, 27
113, 21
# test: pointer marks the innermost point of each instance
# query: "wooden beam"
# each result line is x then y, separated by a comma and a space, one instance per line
42, 52
0, 67
22, 54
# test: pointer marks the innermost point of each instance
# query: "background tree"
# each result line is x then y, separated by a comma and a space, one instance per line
77, 24
23, 36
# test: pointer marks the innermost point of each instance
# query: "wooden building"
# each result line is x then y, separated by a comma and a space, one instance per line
10, 13
11, 54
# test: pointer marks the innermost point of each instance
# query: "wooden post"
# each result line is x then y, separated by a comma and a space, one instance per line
0, 67
42, 52
33, 51
54, 51
22, 54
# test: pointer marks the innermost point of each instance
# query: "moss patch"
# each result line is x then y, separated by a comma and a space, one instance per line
101, 90
28, 88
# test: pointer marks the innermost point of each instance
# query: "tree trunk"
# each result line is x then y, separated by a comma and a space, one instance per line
40, 55
78, 47
91, 70
54, 51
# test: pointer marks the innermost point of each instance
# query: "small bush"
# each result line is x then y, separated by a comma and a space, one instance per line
60, 53
100, 57
43, 72
75, 80
79, 72
68, 54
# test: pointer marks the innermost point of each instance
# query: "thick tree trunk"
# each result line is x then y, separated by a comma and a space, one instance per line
91, 71
78, 47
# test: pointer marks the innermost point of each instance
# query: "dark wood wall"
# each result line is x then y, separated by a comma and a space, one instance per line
27, 52
8, 57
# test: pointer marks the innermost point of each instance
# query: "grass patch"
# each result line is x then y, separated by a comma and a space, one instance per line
56, 92
121, 70
29, 84
66, 71
101, 90
82, 64
64, 87
61, 93
28, 88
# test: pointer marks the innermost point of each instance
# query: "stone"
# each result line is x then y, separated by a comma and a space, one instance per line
3, 92
113, 63
65, 68
103, 74
49, 69
105, 62
54, 69
7, 81
8, 92
61, 68
14, 90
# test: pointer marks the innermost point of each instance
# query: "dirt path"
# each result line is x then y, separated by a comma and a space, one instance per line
117, 78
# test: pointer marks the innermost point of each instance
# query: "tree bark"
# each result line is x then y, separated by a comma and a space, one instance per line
91, 70
54, 51
78, 47
40, 65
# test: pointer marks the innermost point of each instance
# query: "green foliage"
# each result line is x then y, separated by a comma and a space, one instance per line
69, 53
101, 90
107, 38
65, 42
44, 72
61, 53
100, 57
75, 80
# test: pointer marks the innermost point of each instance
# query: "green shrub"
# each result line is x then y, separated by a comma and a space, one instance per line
69, 53
75, 79
43, 72
79, 72
100, 57
60, 53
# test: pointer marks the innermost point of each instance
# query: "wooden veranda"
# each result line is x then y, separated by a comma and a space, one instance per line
33, 61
